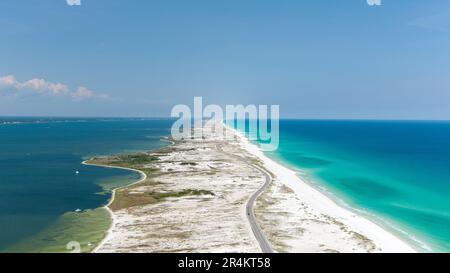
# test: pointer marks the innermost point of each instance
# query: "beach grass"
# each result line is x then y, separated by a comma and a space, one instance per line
126, 198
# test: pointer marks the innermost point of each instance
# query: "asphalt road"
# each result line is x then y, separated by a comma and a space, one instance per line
259, 235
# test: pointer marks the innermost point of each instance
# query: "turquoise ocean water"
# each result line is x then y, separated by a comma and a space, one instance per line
39, 187
395, 172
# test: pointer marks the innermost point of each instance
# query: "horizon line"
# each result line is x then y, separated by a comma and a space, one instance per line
168, 117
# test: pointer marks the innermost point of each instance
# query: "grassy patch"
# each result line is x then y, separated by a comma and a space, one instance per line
127, 198
138, 159
129, 161
188, 192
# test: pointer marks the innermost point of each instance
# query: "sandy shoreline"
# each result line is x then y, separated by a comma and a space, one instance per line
113, 196
113, 192
294, 216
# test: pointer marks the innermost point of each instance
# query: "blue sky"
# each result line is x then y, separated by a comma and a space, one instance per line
316, 59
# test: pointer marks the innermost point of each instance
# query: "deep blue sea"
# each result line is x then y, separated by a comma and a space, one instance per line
39, 187
395, 172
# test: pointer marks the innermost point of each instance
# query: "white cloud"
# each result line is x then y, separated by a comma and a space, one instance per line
8, 81
82, 93
34, 84
57, 88
43, 86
